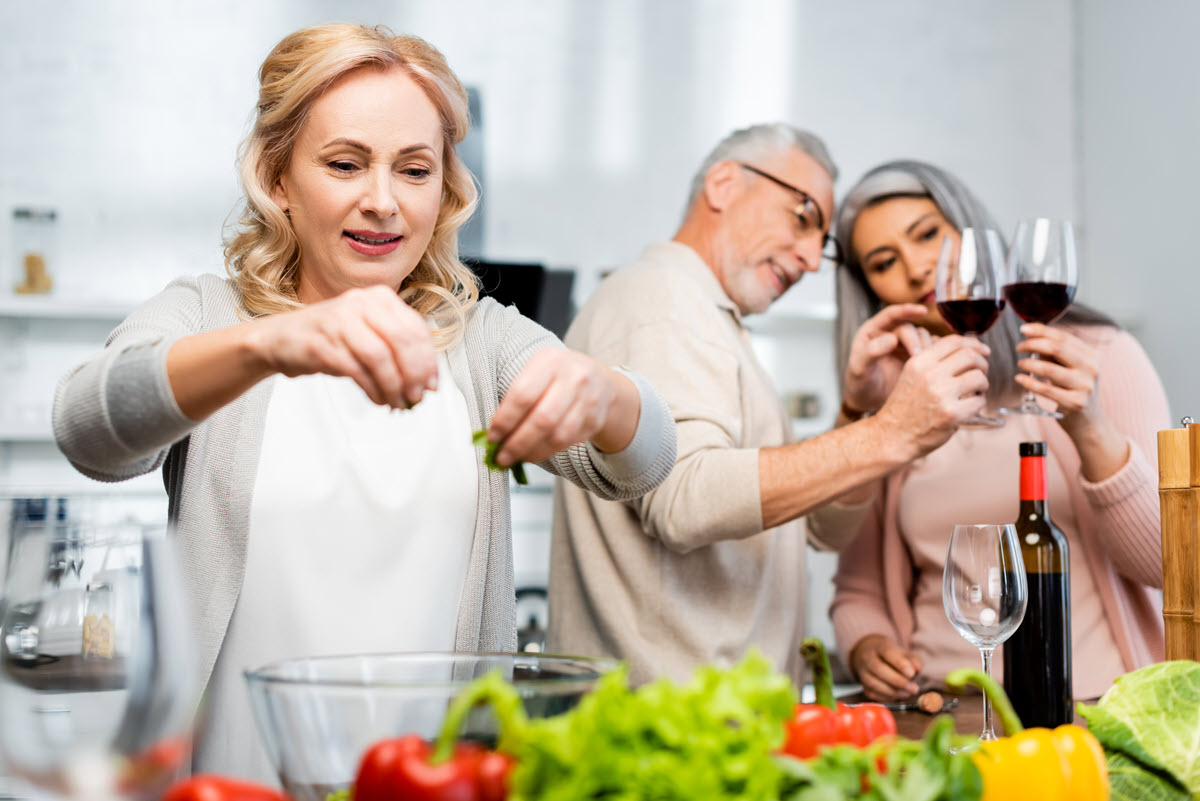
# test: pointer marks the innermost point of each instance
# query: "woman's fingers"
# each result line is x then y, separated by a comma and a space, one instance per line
1068, 400
340, 361
368, 335
537, 432
885, 678
910, 336
1054, 373
1065, 372
377, 361
891, 316
560, 398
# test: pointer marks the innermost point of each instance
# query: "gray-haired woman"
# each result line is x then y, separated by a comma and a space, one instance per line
887, 608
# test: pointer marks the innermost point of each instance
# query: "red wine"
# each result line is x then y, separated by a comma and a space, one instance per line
1037, 657
972, 316
1039, 301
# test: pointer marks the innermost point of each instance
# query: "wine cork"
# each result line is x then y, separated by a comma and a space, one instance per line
1178, 507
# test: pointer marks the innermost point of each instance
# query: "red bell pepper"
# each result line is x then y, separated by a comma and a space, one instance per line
205, 787
404, 769
828, 722
409, 768
150, 770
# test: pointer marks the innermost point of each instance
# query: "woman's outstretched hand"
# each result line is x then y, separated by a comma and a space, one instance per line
560, 398
368, 335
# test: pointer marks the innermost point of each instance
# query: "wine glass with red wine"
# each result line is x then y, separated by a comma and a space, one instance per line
1041, 275
968, 290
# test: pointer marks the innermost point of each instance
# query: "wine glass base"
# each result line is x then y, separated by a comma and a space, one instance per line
983, 421
973, 745
1032, 409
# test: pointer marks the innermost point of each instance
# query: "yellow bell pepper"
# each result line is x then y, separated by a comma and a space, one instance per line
1062, 764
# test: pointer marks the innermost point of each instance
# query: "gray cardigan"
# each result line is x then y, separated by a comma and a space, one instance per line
115, 417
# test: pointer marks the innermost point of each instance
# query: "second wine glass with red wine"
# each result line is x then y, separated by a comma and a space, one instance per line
968, 290
1041, 274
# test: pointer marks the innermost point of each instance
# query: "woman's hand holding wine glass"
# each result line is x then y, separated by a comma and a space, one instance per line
968, 290
1041, 277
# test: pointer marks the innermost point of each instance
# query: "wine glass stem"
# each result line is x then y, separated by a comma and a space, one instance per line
987, 734
1030, 398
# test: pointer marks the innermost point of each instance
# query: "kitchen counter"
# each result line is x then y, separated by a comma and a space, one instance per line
968, 716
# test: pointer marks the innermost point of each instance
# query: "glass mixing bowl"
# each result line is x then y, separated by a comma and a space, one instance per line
318, 716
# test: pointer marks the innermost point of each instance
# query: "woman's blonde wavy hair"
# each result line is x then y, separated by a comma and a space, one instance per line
262, 255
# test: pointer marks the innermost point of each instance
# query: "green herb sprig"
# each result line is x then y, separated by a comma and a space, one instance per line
479, 438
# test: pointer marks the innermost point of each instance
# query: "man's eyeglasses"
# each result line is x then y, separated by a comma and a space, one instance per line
808, 214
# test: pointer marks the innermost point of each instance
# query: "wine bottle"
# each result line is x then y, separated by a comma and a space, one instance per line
1037, 658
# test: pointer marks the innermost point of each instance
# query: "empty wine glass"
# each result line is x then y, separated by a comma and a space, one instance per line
97, 676
984, 592
1041, 276
968, 289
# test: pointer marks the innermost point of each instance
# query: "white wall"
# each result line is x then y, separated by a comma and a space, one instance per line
127, 121
1140, 171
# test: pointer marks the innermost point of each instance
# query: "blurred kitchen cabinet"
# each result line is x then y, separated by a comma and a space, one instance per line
40, 339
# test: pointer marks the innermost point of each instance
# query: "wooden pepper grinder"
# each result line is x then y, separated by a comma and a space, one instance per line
1194, 448
1177, 468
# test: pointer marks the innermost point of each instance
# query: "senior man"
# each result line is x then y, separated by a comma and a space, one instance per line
712, 562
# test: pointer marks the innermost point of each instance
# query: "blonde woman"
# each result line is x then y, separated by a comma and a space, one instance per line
313, 412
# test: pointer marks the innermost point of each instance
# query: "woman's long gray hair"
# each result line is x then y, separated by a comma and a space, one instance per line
855, 300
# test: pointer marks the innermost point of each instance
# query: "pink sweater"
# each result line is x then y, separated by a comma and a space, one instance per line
1118, 520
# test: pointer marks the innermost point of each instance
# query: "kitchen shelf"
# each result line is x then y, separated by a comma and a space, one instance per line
13, 434
52, 308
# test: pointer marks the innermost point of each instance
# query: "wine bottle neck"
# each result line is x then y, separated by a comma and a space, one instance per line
1033, 479
1032, 508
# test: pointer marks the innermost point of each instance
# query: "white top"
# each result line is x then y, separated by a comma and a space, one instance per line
360, 530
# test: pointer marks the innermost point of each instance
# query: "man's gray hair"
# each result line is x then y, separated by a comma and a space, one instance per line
762, 141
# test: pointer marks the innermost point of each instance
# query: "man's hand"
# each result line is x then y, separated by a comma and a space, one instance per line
878, 353
937, 390
885, 670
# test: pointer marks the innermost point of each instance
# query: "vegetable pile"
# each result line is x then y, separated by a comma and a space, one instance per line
718, 737
1149, 725
739, 734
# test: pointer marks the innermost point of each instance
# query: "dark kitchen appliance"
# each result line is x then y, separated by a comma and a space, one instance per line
539, 293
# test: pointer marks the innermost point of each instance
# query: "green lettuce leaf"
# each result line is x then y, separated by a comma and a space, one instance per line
711, 738
1152, 715
1130, 780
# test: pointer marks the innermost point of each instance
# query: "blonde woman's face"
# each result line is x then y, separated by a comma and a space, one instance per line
897, 242
364, 186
